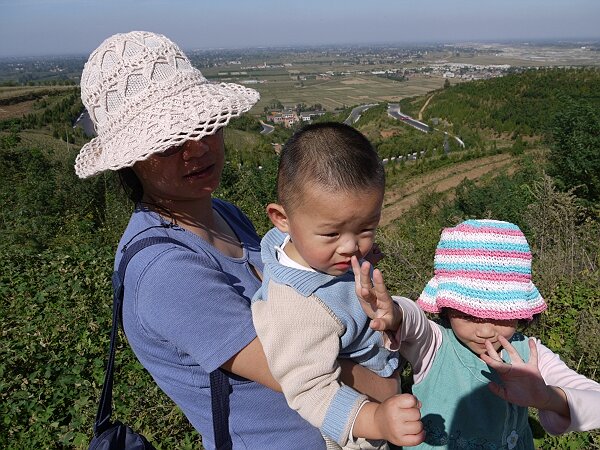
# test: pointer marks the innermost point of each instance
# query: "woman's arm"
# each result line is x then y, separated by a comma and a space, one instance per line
368, 382
251, 363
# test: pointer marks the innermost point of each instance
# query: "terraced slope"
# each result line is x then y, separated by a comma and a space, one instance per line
400, 199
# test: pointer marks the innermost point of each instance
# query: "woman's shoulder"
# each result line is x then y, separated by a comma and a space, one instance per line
233, 215
145, 224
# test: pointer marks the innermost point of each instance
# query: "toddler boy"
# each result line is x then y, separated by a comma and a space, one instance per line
307, 314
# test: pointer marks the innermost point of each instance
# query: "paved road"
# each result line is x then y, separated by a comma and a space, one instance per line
85, 122
356, 112
394, 111
267, 129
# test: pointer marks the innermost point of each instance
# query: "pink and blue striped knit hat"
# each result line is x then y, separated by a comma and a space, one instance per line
483, 269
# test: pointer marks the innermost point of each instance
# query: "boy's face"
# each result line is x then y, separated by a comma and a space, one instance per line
327, 229
473, 332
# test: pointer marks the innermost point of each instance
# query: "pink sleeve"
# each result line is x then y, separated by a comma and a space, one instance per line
583, 395
418, 338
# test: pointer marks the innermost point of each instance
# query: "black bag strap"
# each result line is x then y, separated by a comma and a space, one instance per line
219, 384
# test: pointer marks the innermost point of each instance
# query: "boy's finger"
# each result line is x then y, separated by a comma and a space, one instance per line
365, 275
407, 401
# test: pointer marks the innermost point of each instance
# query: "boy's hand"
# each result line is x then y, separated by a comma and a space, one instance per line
399, 420
374, 298
375, 255
522, 382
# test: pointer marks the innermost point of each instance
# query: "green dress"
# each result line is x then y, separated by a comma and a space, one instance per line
459, 411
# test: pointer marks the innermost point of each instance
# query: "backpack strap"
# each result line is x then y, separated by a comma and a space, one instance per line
219, 384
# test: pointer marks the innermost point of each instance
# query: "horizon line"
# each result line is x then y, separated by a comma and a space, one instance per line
407, 43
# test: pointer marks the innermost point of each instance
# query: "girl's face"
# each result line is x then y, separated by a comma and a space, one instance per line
186, 172
473, 331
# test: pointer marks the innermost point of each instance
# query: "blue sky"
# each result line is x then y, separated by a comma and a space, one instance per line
60, 27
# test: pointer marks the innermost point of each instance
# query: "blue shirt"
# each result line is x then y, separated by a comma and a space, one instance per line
186, 312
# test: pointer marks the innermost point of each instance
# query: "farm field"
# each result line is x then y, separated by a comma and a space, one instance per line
342, 92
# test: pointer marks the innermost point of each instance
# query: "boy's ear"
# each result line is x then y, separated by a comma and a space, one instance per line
277, 214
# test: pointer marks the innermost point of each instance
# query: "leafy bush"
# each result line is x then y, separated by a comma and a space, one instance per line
574, 155
55, 320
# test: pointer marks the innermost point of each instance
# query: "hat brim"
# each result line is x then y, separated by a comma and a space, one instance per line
499, 300
193, 113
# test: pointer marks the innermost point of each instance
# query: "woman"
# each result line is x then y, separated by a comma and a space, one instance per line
187, 308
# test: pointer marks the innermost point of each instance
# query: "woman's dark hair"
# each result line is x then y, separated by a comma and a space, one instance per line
134, 190
131, 184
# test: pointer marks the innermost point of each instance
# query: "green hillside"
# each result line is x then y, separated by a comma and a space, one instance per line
58, 236
524, 103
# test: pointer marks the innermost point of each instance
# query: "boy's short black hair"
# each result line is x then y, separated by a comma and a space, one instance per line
332, 155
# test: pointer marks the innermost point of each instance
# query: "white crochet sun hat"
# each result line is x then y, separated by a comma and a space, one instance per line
143, 97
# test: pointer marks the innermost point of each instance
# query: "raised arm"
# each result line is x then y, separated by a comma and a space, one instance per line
582, 393
374, 297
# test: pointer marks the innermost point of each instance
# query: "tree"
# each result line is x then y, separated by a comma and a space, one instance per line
574, 154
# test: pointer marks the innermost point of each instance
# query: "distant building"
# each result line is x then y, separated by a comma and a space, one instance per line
307, 116
286, 118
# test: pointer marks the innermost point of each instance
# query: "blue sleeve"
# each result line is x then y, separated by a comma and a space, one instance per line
345, 404
186, 299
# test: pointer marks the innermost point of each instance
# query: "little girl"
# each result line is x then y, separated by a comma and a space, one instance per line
473, 373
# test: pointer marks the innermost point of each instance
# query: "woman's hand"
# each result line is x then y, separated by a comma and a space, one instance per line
374, 298
522, 382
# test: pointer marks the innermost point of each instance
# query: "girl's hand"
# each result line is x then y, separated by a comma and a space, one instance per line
522, 383
374, 298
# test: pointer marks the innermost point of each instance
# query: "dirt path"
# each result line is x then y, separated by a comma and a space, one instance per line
424, 106
399, 199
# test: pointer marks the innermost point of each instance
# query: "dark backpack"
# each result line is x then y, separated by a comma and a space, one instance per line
115, 435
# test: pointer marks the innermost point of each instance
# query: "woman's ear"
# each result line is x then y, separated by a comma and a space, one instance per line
277, 214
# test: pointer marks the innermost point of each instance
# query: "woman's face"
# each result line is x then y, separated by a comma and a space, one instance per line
186, 172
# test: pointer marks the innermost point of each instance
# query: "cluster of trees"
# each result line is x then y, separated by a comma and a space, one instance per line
57, 109
48, 71
54, 82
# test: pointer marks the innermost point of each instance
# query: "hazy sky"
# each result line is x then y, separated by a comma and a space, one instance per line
59, 27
